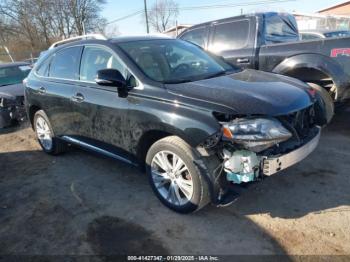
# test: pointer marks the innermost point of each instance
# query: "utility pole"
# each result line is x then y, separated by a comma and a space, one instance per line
146, 15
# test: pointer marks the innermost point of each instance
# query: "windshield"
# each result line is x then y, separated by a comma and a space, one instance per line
174, 61
337, 34
13, 74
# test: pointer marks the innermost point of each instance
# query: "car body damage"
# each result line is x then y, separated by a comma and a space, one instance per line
12, 93
269, 126
11, 109
173, 107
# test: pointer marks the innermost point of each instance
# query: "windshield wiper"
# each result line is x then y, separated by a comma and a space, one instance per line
220, 73
7, 84
185, 80
177, 81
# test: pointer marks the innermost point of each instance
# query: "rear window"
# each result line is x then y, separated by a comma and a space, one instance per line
65, 64
230, 36
309, 36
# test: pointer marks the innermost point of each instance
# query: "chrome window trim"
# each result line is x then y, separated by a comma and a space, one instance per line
139, 87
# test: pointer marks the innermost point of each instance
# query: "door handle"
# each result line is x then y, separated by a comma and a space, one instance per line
243, 60
78, 98
42, 90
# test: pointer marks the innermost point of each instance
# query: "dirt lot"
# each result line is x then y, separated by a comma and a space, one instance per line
80, 203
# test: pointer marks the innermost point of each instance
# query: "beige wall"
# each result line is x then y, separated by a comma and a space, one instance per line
341, 10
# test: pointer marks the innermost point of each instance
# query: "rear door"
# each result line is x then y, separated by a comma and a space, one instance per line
53, 86
234, 40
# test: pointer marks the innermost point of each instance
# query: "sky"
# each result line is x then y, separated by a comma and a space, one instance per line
134, 25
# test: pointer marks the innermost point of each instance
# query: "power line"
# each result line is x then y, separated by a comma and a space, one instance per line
125, 17
233, 5
206, 7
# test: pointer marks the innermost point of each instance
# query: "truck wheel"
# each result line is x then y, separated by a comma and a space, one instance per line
327, 100
47, 140
175, 179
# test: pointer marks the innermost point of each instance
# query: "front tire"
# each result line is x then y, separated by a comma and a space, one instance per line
174, 177
45, 135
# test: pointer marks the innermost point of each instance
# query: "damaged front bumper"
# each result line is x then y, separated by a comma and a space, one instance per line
274, 164
244, 166
10, 111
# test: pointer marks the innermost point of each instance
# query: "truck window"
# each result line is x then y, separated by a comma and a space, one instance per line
197, 36
230, 36
309, 36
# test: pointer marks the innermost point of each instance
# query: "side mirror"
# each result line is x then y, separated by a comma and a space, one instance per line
112, 77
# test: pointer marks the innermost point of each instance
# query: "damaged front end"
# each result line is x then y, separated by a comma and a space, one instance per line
11, 110
254, 147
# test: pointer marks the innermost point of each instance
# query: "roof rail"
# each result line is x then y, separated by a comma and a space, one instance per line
77, 38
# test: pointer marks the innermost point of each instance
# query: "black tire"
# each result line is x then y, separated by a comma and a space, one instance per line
200, 196
328, 103
58, 146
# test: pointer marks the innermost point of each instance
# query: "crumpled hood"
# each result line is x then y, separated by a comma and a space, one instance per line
12, 90
248, 92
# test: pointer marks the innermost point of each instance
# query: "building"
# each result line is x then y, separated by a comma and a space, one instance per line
342, 9
320, 21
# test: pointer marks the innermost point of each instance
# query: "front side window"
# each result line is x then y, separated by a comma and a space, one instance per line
65, 64
95, 59
197, 36
174, 61
230, 36
13, 74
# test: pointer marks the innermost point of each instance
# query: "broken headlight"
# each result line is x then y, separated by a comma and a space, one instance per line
256, 134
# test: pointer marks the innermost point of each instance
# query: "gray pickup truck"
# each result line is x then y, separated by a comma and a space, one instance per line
270, 42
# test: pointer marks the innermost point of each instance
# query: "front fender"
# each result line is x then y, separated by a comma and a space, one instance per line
191, 124
318, 62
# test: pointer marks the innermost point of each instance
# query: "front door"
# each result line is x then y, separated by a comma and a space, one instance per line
234, 40
102, 114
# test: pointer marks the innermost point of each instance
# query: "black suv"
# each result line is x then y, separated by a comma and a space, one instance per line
198, 125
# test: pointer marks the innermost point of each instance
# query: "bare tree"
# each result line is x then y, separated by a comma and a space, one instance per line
32, 25
163, 14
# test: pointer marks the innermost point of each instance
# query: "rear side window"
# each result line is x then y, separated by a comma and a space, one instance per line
230, 36
65, 64
197, 36
95, 59
43, 69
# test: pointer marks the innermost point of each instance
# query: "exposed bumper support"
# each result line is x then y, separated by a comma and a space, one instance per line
272, 165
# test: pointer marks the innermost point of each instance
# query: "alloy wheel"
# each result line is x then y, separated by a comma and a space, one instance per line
172, 178
43, 133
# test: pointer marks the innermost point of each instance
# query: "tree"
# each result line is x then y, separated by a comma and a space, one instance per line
163, 14
35, 24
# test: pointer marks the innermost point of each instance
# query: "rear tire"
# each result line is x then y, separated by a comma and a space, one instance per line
45, 135
174, 177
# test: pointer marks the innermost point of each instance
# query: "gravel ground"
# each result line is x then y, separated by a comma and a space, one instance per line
82, 204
